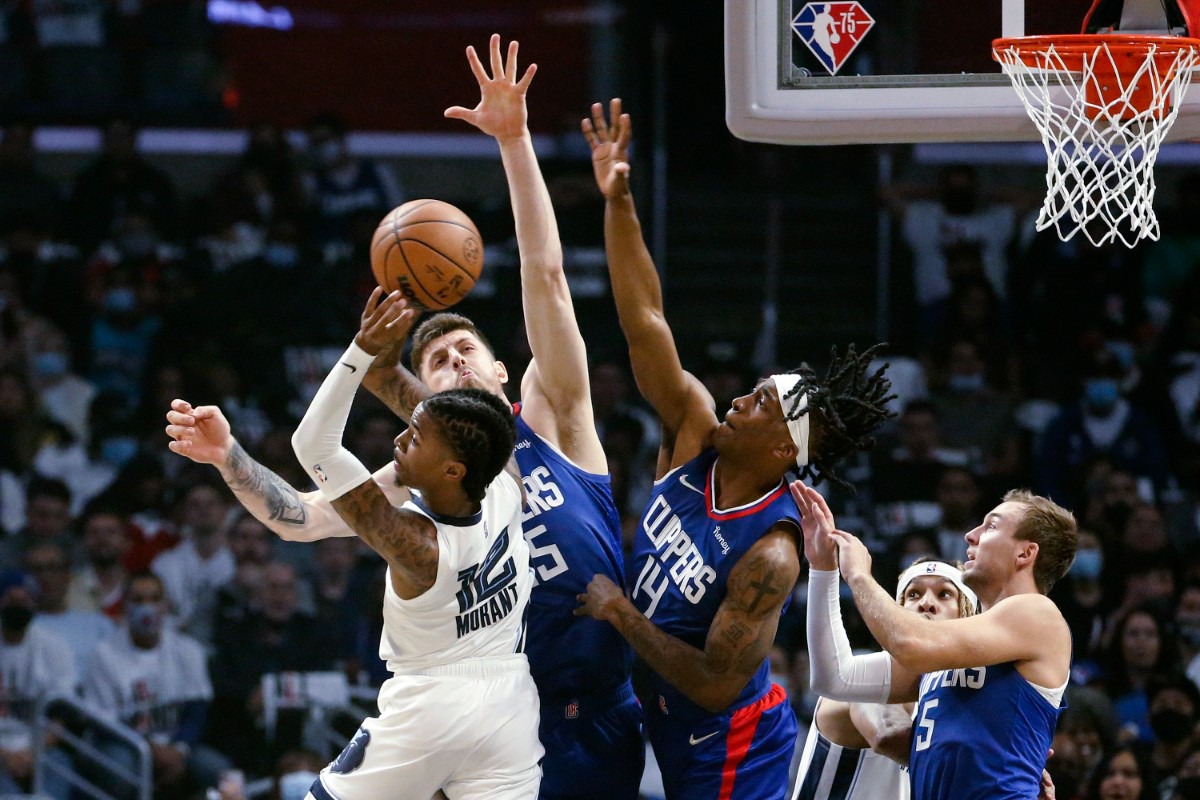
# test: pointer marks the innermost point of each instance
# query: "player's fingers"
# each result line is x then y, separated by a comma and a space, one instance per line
510, 69
204, 412
178, 445
458, 112
476, 65
527, 78
598, 122
180, 431
625, 133
497, 62
176, 418
590, 135
181, 405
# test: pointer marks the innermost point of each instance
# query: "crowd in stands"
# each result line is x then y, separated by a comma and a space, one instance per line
131, 578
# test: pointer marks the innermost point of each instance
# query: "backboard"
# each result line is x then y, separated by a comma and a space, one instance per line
879, 71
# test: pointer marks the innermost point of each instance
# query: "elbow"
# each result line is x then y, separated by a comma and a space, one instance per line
302, 442
715, 700
909, 651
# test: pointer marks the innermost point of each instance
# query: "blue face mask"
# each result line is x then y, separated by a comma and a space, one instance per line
966, 384
50, 365
295, 785
120, 300
1101, 394
118, 450
1088, 564
281, 256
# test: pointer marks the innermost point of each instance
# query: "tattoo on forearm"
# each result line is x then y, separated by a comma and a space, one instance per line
245, 476
734, 634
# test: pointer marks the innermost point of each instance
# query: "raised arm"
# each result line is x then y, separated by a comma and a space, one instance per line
555, 393
738, 639
1025, 628
202, 434
387, 379
406, 540
636, 286
835, 672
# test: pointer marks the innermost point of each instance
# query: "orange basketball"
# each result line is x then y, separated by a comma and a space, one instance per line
429, 250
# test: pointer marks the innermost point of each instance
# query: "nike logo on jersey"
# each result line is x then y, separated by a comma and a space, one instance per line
683, 479
692, 740
350, 367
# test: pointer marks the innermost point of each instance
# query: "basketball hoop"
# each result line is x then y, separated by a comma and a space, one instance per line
1103, 104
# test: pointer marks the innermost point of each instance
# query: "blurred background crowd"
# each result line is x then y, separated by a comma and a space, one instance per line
1019, 361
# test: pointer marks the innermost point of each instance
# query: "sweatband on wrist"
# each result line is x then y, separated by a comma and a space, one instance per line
317, 441
835, 672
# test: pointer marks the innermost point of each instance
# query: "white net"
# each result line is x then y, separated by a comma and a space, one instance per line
1103, 112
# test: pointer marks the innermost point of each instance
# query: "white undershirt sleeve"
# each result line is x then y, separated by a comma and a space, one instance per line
836, 672
317, 441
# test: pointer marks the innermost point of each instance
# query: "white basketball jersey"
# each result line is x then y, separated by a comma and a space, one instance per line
476, 606
829, 771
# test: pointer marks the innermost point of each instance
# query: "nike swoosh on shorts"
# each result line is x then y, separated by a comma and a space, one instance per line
692, 740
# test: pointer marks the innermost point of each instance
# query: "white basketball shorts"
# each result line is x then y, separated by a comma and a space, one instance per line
469, 729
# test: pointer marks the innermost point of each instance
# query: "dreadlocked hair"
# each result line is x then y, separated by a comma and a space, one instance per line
847, 405
480, 428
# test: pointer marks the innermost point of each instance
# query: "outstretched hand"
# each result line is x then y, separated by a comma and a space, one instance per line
501, 111
817, 524
610, 148
385, 323
199, 433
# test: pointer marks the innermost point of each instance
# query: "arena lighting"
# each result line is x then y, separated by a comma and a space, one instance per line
249, 14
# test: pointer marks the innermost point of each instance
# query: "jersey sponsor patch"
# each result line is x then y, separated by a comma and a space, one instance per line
832, 31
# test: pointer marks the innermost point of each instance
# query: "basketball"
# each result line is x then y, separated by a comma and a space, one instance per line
428, 249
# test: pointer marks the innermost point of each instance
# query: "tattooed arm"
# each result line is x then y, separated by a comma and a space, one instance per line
202, 434
741, 632
395, 386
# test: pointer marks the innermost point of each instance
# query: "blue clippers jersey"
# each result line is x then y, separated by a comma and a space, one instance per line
980, 733
574, 532
683, 552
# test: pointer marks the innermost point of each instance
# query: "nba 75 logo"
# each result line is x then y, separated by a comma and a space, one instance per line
832, 30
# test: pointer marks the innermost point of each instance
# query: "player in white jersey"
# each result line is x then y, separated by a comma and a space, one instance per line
460, 713
858, 751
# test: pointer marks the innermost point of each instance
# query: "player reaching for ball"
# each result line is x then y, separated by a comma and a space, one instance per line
590, 719
718, 549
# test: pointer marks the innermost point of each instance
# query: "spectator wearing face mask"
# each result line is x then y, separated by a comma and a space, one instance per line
1187, 629
1082, 601
155, 680
1174, 703
295, 773
1100, 421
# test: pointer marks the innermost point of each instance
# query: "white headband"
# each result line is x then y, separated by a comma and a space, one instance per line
942, 570
798, 427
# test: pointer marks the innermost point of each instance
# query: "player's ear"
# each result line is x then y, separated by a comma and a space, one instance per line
787, 450
501, 372
1027, 554
454, 470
